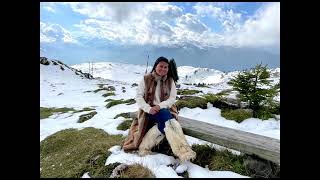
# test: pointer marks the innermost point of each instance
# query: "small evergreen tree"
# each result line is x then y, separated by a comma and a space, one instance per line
253, 86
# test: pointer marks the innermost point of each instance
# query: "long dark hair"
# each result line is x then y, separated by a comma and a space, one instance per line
172, 72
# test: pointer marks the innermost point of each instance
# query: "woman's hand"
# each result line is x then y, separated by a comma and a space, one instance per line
154, 110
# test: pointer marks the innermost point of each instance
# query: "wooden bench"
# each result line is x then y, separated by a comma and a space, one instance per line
245, 142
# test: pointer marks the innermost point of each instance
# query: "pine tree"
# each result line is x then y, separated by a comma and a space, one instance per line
253, 86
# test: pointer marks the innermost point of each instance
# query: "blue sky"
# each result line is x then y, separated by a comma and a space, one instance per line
77, 31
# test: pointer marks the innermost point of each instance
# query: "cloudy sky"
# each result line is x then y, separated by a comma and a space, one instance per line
77, 31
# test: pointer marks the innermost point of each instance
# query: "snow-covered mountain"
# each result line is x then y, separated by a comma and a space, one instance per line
64, 86
187, 74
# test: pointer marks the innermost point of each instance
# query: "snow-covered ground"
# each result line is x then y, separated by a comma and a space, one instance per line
66, 89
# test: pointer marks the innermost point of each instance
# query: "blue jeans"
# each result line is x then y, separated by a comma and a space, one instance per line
161, 117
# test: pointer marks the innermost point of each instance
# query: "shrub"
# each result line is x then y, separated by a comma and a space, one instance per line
237, 114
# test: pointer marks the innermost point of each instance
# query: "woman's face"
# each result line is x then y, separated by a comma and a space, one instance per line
162, 68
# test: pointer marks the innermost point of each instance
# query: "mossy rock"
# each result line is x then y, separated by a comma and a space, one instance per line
261, 168
109, 94
125, 115
86, 117
218, 101
121, 101
211, 98
237, 114
224, 92
70, 153
191, 102
125, 125
187, 91
136, 171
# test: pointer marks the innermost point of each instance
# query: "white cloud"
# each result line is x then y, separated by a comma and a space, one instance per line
163, 24
192, 23
46, 39
54, 32
229, 19
50, 9
262, 29
137, 23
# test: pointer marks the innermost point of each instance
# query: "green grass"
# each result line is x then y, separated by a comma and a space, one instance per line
125, 115
70, 153
237, 114
219, 160
226, 161
125, 125
246, 165
46, 112
101, 88
86, 117
121, 101
85, 109
204, 154
136, 171
191, 102
108, 94
187, 92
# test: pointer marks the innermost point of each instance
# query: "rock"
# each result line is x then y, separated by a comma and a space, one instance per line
261, 168
44, 61
87, 75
